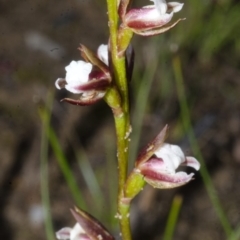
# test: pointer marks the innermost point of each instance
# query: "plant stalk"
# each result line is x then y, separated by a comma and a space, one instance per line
122, 122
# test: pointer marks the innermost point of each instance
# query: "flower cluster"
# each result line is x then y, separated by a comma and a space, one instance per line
106, 74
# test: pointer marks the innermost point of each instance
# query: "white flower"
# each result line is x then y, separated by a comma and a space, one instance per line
173, 157
89, 79
150, 20
75, 233
160, 170
77, 74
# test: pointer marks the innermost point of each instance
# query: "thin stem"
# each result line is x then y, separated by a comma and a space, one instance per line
121, 120
118, 62
122, 154
45, 116
172, 218
194, 144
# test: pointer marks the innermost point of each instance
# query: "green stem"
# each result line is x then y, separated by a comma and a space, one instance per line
45, 117
121, 120
194, 144
172, 218
119, 69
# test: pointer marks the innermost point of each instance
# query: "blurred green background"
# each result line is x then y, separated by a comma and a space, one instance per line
54, 156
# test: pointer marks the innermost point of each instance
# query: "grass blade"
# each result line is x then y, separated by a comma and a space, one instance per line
45, 116
185, 115
65, 168
172, 218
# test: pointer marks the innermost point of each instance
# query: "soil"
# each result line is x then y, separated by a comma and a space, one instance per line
38, 39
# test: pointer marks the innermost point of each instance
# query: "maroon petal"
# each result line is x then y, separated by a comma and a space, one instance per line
156, 164
157, 31
94, 85
146, 18
164, 180
85, 100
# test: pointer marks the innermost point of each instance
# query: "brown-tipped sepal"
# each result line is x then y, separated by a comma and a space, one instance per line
91, 226
155, 144
86, 228
99, 60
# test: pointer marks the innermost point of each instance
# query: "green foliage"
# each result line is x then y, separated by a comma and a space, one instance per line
45, 117
172, 218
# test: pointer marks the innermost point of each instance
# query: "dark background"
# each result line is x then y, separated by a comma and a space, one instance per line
39, 38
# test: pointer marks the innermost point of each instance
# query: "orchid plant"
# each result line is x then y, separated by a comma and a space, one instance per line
105, 75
